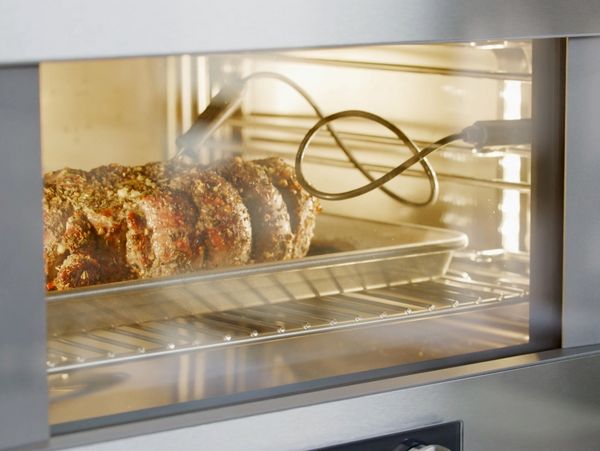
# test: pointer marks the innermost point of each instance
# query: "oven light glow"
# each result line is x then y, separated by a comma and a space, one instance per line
490, 46
512, 97
202, 93
511, 204
172, 131
202, 96
511, 172
186, 91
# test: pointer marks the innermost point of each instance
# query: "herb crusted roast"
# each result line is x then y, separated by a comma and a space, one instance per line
117, 223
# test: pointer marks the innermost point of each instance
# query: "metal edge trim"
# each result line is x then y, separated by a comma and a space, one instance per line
68, 29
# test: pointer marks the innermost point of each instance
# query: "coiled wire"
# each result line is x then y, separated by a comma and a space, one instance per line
419, 155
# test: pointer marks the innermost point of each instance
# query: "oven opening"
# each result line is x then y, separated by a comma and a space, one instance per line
218, 225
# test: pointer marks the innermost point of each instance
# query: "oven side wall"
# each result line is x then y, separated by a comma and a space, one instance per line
581, 273
23, 392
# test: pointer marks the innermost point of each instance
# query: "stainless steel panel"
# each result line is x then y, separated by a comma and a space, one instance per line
581, 271
547, 177
23, 393
544, 401
70, 29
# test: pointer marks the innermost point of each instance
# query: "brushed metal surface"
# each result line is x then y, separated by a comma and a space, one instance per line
542, 401
23, 392
547, 176
70, 29
581, 272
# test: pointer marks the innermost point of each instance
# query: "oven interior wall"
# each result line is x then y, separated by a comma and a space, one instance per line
100, 112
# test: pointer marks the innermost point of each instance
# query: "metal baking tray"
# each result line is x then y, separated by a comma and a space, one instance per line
346, 255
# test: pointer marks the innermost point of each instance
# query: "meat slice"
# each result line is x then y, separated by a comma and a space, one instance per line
223, 227
160, 234
65, 226
94, 211
81, 217
159, 221
103, 210
301, 206
272, 237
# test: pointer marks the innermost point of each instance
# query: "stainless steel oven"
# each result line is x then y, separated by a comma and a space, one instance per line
298, 226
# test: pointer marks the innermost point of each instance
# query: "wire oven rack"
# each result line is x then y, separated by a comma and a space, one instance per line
452, 293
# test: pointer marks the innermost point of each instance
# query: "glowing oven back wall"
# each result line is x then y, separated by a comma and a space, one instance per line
131, 111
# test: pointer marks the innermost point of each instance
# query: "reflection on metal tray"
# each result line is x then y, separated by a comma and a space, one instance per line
347, 255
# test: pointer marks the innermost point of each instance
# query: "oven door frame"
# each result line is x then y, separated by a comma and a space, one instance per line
74, 35
68, 29
514, 403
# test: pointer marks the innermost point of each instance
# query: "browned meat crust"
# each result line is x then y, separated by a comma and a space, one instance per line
301, 206
223, 226
79, 270
166, 236
80, 218
117, 222
159, 221
271, 229
83, 269
56, 212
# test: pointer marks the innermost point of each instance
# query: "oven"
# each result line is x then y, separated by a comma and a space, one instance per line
301, 226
